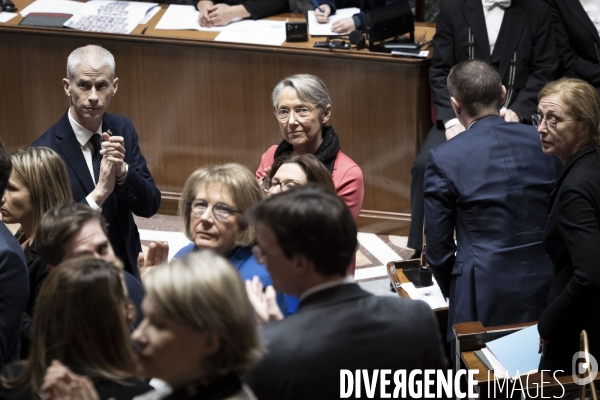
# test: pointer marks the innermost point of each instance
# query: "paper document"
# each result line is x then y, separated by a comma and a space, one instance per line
431, 295
421, 54
109, 16
52, 7
317, 29
181, 17
151, 13
7, 16
517, 352
259, 32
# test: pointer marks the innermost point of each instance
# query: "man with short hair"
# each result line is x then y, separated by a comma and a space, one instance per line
492, 185
14, 281
106, 167
306, 238
73, 230
516, 37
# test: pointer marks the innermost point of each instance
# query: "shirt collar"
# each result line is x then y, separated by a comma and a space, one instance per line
82, 134
326, 285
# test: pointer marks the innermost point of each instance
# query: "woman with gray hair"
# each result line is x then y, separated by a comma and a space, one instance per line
302, 108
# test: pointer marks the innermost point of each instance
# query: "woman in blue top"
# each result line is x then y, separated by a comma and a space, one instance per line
212, 205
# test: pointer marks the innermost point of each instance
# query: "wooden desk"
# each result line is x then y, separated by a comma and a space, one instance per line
471, 336
396, 274
194, 101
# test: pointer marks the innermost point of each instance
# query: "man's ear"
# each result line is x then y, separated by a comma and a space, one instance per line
210, 343
66, 85
115, 86
303, 264
455, 105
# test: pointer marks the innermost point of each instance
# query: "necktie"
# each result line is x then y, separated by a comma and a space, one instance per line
96, 140
489, 4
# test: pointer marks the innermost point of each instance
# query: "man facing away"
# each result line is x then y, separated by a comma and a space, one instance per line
492, 184
14, 282
106, 167
306, 238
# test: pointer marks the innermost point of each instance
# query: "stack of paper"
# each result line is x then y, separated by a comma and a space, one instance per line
515, 354
431, 295
109, 16
316, 28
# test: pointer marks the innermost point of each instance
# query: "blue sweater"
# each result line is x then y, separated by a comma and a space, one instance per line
243, 260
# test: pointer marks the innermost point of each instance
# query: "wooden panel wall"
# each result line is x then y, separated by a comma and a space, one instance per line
194, 104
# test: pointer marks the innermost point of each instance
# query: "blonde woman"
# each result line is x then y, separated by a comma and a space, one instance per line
39, 181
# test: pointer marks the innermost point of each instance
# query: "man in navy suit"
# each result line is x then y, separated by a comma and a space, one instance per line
516, 37
106, 167
14, 282
577, 39
306, 238
492, 184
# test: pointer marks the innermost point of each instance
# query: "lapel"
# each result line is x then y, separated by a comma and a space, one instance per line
575, 7
513, 23
579, 154
473, 12
73, 157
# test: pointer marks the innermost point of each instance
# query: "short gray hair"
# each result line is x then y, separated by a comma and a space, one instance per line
309, 88
95, 55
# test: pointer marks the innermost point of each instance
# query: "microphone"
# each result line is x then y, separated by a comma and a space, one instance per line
358, 39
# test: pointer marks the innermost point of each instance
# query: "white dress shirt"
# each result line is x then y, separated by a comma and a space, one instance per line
592, 8
83, 136
493, 23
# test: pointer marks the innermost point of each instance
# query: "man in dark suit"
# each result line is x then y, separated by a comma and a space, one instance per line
516, 37
106, 167
577, 40
491, 184
14, 282
306, 238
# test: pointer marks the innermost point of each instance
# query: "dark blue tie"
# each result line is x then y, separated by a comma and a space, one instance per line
96, 140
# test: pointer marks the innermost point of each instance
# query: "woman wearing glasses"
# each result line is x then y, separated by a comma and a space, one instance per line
568, 121
302, 108
212, 206
291, 170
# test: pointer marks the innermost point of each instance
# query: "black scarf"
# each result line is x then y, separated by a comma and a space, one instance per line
326, 153
222, 388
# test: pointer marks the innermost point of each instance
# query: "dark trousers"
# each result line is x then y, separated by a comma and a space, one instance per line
417, 209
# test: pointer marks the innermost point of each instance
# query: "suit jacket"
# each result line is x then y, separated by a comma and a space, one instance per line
572, 238
14, 293
37, 271
492, 184
344, 327
524, 54
577, 41
138, 194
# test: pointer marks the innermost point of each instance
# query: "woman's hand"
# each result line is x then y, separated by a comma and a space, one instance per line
264, 303
60, 383
222, 14
158, 253
203, 7
345, 25
322, 16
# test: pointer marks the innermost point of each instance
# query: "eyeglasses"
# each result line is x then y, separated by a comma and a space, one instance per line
258, 254
268, 184
220, 211
283, 114
537, 119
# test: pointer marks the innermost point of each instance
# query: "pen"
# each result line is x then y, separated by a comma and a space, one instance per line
317, 5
